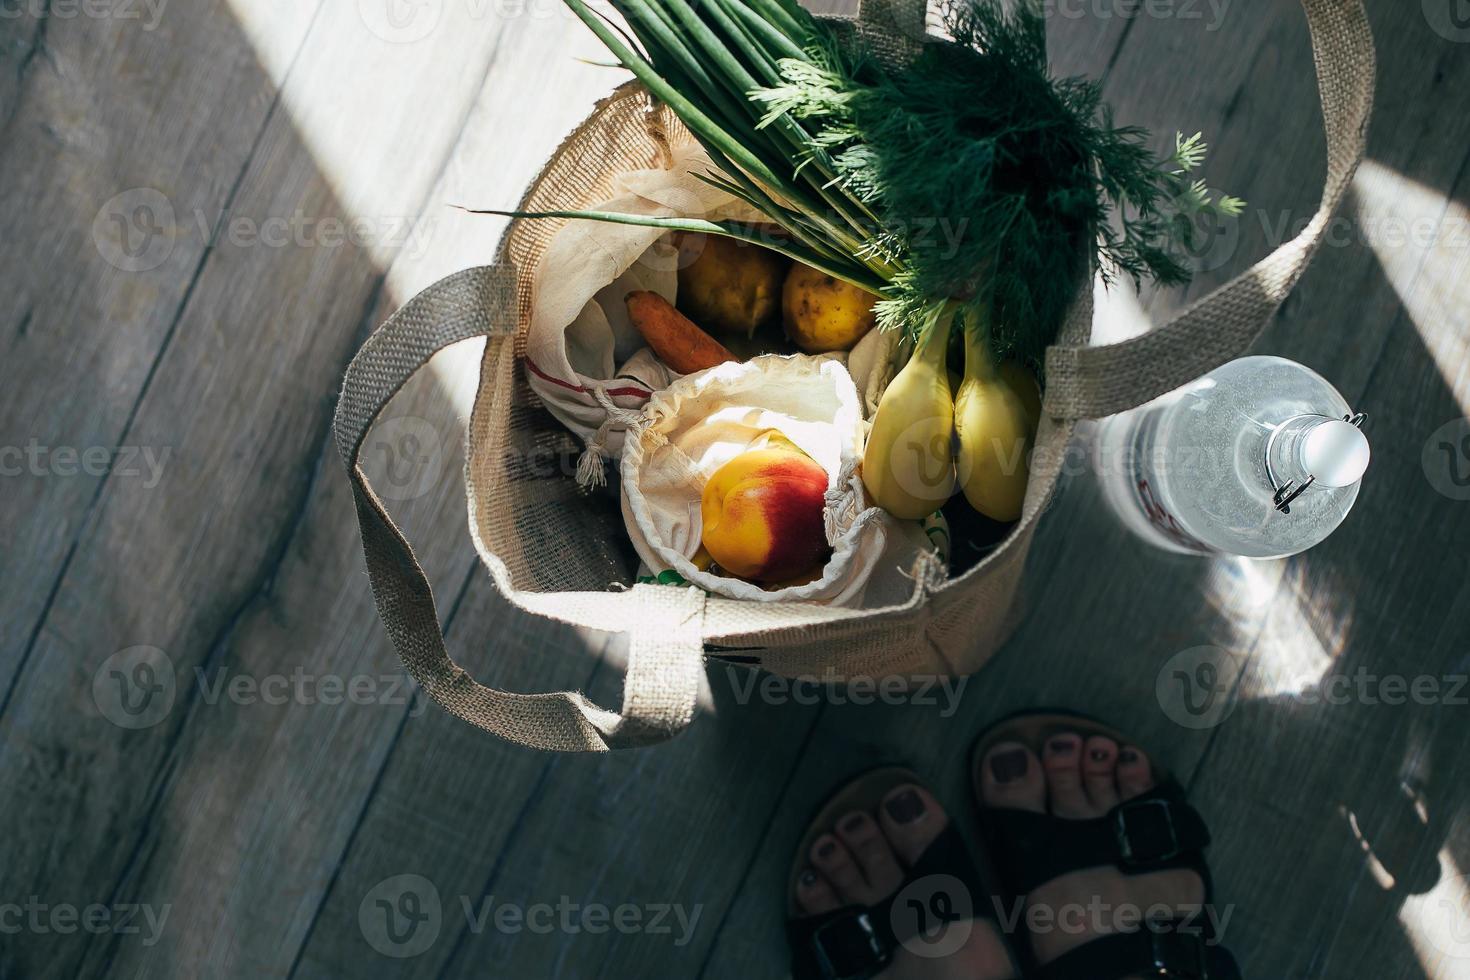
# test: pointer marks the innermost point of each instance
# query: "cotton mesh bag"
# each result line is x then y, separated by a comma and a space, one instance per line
705, 420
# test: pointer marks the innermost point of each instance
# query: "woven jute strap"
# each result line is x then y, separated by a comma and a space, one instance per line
892, 31
665, 656
1090, 382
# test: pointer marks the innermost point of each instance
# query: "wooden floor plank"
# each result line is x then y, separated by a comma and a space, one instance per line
1321, 780
244, 393
111, 123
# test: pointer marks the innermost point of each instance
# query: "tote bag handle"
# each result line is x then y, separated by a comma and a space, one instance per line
666, 653
1091, 382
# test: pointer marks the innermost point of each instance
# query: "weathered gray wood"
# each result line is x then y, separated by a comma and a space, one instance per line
94, 108
244, 393
267, 828
1289, 780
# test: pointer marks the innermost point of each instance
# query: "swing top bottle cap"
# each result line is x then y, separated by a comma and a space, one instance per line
1336, 453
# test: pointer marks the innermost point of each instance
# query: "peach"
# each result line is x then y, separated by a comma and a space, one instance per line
762, 515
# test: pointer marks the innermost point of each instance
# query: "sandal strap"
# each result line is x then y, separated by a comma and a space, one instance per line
857, 942
1152, 832
849, 943
1169, 948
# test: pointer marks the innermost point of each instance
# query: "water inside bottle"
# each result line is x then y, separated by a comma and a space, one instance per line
1188, 471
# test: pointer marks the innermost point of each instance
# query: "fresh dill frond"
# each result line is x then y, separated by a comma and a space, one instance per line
993, 181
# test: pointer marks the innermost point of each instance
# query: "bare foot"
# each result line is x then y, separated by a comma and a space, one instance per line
1081, 779
864, 862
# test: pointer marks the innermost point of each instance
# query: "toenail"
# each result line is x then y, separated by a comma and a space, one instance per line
1128, 757
1060, 745
853, 823
1099, 755
1009, 765
906, 807
808, 877
826, 850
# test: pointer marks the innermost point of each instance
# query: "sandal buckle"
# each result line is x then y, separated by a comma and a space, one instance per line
1177, 955
1138, 826
856, 952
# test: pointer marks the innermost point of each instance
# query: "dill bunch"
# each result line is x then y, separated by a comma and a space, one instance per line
992, 181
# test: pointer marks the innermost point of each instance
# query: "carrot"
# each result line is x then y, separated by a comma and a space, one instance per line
672, 335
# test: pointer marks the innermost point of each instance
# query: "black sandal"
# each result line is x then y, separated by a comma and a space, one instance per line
857, 942
1156, 831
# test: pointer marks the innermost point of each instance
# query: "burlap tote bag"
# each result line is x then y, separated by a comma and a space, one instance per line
553, 551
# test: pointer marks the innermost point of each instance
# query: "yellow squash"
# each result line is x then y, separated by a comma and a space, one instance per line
996, 413
908, 465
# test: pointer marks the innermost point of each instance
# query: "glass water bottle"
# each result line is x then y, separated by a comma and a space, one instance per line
1261, 457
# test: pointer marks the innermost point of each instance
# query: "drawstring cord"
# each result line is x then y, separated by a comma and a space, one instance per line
592, 464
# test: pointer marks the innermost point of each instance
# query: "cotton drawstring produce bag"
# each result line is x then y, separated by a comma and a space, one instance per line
552, 550
703, 421
583, 359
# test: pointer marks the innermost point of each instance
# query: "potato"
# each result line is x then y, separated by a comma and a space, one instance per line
823, 313
726, 285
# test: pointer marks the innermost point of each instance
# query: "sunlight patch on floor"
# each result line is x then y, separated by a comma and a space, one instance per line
1437, 923
1244, 586
1293, 651
274, 30
1118, 313
367, 94
457, 372
1422, 240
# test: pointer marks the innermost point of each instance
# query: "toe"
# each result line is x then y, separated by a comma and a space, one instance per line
911, 818
1099, 761
836, 863
1135, 776
814, 895
1011, 776
874, 856
1063, 763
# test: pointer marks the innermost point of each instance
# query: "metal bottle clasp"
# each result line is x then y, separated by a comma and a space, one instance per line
1289, 491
